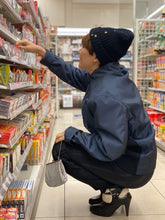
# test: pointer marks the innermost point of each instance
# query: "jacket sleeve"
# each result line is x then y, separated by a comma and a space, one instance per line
76, 77
110, 139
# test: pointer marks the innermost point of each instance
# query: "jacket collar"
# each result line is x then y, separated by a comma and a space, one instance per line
109, 68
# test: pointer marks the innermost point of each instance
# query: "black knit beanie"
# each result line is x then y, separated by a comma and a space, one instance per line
110, 44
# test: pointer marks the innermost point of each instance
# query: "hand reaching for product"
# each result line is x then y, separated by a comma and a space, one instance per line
60, 137
28, 46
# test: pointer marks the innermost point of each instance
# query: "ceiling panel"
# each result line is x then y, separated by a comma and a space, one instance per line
107, 1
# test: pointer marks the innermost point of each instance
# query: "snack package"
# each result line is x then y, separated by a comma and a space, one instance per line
4, 74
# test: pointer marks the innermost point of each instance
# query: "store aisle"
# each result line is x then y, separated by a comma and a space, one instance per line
70, 202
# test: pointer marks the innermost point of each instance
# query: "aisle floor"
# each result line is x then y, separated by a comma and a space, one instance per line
70, 201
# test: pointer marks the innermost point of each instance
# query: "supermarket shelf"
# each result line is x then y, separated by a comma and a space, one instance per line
52, 34
76, 59
160, 144
35, 106
146, 101
28, 5
35, 173
37, 86
68, 61
29, 23
158, 109
9, 12
41, 17
126, 59
17, 137
53, 43
76, 49
13, 176
152, 37
142, 41
160, 68
17, 85
76, 41
156, 89
16, 61
40, 122
144, 78
64, 89
148, 56
7, 35
17, 111
66, 53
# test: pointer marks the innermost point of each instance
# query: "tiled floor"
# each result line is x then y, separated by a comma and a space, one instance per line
70, 202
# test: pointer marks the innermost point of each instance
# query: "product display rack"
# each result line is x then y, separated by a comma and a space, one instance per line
13, 141
150, 69
127, 61
16, 62
9, 12
69, 43
5, 33
13, 176
28, 6
36, 173
55, 85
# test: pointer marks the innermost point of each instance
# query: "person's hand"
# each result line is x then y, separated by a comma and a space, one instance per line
60, 137
28, 46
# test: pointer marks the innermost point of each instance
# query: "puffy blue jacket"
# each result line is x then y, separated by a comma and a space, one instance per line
113, 113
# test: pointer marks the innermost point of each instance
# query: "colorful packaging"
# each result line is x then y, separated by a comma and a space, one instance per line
10, 216
7, 133
2, 216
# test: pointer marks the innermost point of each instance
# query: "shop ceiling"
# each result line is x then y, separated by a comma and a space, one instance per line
107, 1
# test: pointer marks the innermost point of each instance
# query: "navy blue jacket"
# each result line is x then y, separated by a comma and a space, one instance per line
113, 113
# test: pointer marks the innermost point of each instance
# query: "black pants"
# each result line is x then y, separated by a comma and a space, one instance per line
99, 175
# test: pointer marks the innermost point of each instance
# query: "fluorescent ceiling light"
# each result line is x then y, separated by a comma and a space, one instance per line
156, 12
72, 31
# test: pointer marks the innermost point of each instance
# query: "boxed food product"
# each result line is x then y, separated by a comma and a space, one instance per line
4, 74
5, 164
17, 149
7, 133
34, 156
12, 158
7, 104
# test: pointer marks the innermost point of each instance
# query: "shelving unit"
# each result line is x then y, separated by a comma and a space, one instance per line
69, 41
13, 141
127, 61
54, 84
148, 72
36, 171
13, 176
28, 6
5, 33
10, 13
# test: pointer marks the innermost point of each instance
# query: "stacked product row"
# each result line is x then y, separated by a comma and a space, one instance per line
25, 120
151, 73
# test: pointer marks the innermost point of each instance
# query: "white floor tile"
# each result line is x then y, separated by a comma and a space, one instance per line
147, 201
160, 186
51, 203
76, 198
56, 218
159, 173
